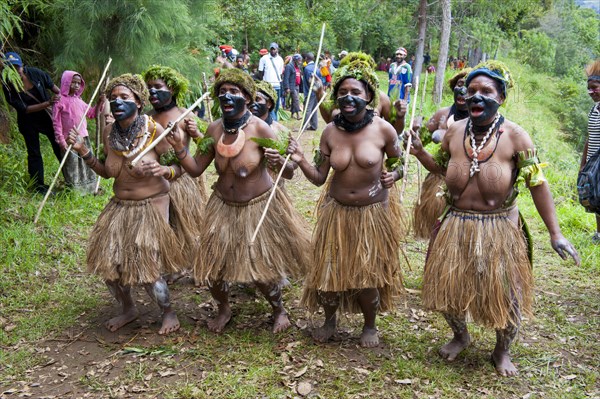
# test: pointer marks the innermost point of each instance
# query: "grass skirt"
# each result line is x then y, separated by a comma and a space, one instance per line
355, 247
77, 174
478, 263
430, 207
282, 247
132, 243
188, 198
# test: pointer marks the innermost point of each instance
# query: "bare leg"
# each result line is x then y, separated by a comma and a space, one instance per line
220, 293
159, 292
272, 293
123, 296
501, 353
368, 300
330, 302
461, 339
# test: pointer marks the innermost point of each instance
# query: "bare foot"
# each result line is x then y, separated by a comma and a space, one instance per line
170, 323
323, 333
217, 325
451, 350
281, 322
369, 338
504, 366
115, 323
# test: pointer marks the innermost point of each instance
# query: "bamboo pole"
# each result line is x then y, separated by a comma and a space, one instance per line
419, 168
305, 121
210, 118
168, 130
410, 126
37, 215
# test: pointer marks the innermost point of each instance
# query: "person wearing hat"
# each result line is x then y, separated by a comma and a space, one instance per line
270, 69
132, 242
400, 74
356, 267
233, 210
33, 106
292, 79
479, 257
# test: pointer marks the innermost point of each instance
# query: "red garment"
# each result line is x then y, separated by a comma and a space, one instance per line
298, 76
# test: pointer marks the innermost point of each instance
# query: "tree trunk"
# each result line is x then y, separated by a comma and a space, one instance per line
422, 28
443, 57
461, 43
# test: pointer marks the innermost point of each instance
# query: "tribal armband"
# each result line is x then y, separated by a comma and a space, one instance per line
395, 163
205, 145
441, 158
530, 168
168, 158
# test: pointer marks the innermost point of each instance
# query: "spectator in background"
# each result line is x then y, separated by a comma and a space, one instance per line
33, 106
270, 69
310, 98
400, 74
292, 79
239, 63
426, 59
592, 144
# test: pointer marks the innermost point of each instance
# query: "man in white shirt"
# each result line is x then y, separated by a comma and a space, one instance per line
270, 69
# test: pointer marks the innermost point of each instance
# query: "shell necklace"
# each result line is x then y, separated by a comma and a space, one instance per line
476, 149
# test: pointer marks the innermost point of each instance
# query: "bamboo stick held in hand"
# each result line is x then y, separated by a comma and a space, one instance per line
276, 182
168, 130
37, 215
408, 144
210, 118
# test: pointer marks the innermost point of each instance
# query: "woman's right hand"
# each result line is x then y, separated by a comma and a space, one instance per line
76, 142
416, 145
295, 150
175, 138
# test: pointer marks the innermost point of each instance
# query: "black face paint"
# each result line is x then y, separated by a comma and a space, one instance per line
164, 97
489, 105
259, 109
458, 93
358, 103
126, 108
236, 102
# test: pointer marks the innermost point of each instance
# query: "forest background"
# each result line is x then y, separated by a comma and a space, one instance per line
52, 342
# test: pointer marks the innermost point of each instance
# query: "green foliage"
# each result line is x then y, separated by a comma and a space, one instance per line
537, 50
280, 144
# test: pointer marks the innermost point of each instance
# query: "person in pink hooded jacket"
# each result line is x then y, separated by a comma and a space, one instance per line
67, 114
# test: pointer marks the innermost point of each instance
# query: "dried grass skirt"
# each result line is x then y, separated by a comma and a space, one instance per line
282, 248
478, 263
430, 207
355, 247
132, 243
188, 199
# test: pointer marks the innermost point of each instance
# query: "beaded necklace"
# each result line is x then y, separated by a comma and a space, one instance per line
476, 149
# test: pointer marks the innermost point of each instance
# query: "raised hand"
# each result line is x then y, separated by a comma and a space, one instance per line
295, 149
191, 127
401, 107
76, 142
175, 137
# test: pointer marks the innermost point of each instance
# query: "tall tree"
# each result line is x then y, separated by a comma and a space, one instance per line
443, 56
422, 28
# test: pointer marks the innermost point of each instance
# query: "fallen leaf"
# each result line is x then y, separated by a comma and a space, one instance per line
362, 371
319, 363
569, 377
304, 388
301, 372
10, 327
167, 373
406, 381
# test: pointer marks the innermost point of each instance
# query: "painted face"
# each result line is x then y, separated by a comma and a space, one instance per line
75, 85
352, 97
460, 91
123, 103
594, 90
483, 100
261, 106
232, 100
160, 94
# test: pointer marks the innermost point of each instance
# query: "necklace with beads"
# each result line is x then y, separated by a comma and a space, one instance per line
476, 150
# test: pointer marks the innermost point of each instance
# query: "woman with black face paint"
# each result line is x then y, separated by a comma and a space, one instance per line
233, 210
479, 257
167, 89
356, 241
132, 242
430, 205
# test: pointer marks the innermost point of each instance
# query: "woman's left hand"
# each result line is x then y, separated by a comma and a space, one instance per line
387, 179
274, 159
153, 168
191, 127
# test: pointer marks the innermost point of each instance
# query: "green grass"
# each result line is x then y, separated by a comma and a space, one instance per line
46, 295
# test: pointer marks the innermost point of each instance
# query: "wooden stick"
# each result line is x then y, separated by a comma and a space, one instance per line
102, 122
424, 91
168, 130
407, 153
37, 215
264, 214
210, 118
419, 168
314, 74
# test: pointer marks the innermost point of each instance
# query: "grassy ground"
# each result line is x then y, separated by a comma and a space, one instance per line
51, 312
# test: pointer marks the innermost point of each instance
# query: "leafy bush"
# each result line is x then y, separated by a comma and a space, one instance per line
537, 50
